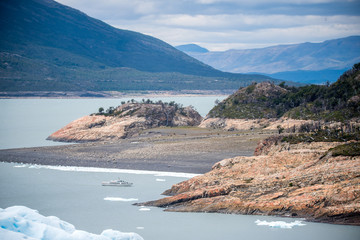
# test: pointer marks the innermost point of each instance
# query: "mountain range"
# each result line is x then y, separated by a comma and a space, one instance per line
305, 62
47, 46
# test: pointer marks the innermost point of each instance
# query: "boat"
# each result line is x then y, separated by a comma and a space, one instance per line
117, 183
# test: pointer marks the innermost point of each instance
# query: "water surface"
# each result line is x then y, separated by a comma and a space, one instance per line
78, 197
28, 122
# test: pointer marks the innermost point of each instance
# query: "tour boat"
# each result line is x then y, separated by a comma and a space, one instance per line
117, 183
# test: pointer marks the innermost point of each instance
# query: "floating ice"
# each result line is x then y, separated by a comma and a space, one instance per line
114, 170
19, 222
119, 199
279, 224
20, 166
140, 228
160, 180
144, 209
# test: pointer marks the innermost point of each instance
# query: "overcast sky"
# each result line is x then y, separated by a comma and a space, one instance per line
229, 24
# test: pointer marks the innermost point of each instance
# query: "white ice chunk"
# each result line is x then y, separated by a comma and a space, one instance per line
119, 199
144, 209
20, 166
19, 222
279, 224
160, 180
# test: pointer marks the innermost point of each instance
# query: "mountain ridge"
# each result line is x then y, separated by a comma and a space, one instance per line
48, 46
192, 48
290, 62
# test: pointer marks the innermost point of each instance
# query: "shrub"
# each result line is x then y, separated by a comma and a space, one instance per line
349, 149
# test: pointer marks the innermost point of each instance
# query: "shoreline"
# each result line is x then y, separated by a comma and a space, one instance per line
185, 150
175, 152
112, 94
104, 170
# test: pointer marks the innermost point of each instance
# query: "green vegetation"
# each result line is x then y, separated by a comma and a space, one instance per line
348, 149
130, 109
339, 101
45, 46
318, 133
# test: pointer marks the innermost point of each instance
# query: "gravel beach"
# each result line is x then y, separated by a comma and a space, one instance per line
182, 149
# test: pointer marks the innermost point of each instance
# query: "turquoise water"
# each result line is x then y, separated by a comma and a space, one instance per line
76, 195
28, 122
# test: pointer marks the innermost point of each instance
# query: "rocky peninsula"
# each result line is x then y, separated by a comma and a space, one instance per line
310, 169
125, 121
305, 180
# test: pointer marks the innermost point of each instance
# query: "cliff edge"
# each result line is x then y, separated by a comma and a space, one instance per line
305, 180
126, 120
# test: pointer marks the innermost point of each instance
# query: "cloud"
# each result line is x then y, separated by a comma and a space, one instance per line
224, 24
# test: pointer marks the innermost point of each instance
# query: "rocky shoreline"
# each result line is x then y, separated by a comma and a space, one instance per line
171, 149
125, 121
294, 180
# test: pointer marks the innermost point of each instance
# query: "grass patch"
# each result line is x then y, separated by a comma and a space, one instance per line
349, 149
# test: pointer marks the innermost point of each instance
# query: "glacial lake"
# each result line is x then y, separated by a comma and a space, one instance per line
75, 195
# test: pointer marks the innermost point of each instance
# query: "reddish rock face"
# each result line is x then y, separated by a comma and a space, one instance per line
126, 120
286, 180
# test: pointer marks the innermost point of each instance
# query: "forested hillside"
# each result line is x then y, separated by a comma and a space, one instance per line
339, 101
46, 46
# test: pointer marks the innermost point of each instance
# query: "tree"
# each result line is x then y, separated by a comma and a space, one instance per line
110, 110
280, 129
101, 110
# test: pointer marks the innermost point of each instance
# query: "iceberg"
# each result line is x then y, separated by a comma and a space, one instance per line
20, 222
119, 199
160, 180
279, 224
142, 208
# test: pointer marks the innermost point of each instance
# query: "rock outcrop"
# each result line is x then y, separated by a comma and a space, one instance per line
125, 121
229, 124
296, 180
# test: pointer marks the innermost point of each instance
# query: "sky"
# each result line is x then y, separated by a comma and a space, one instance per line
220, 25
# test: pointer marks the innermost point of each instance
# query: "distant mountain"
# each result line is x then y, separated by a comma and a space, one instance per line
305, 62
339, 101
192, 48
48, 46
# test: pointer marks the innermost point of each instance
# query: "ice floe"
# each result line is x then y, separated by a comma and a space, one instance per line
144, 209
20, 166
160, 180
19, 222
279, 224
119, 199
114, 170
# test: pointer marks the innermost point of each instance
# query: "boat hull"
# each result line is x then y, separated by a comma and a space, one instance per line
116, 185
